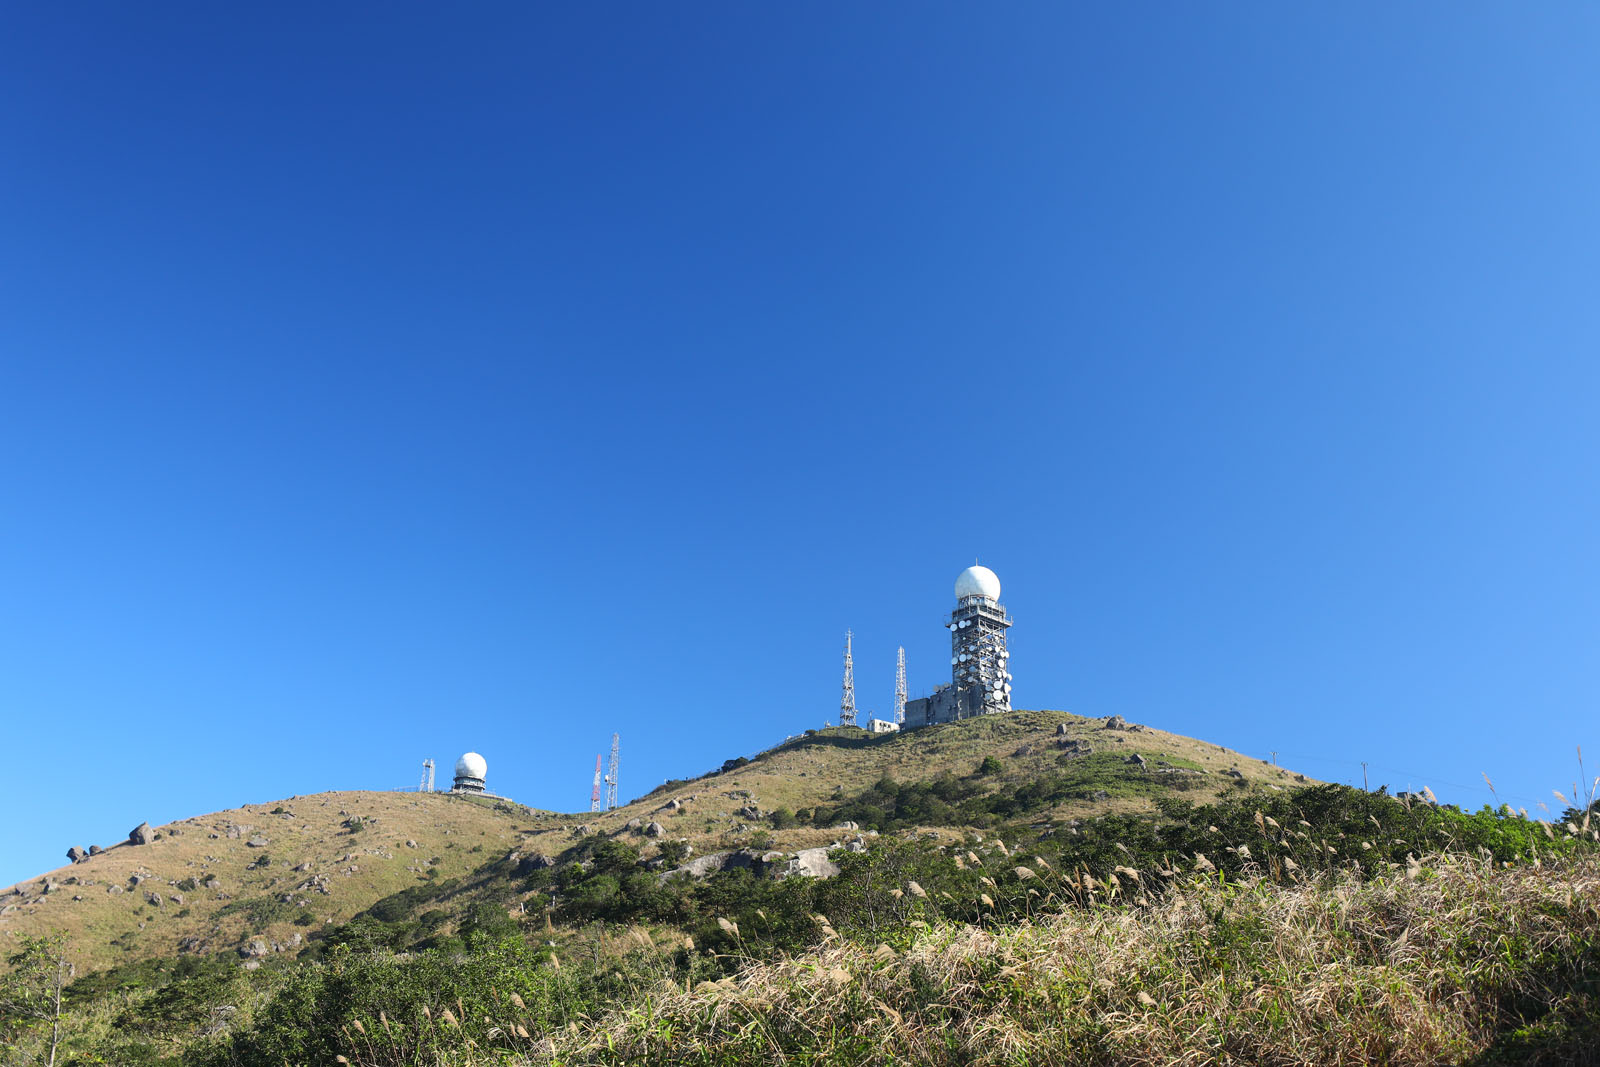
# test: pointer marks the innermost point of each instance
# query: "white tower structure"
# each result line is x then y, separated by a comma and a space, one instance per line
979, 660
611, 773
594, 794
980, 663
900, 688
427, 777
471, 770
847, 702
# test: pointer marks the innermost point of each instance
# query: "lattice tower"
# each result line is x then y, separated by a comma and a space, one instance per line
594, 794
900, 688
611, 773
427, 777
847, 702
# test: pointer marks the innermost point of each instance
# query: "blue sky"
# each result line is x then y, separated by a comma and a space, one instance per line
385, 382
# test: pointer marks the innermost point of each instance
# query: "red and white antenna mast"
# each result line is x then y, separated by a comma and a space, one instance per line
594, 794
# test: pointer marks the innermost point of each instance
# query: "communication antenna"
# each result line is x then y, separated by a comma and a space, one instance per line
427, 777
900, 688
594, 794
847, 703
611, 774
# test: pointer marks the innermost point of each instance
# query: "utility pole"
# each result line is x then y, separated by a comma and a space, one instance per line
1274, 759
1364, 776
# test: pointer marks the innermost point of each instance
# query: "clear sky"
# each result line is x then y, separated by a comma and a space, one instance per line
385, 382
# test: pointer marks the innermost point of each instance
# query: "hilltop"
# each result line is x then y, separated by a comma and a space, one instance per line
280, 872
966, 893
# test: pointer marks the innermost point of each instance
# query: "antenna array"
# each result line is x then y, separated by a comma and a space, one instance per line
611, 773
847, 702
900, 688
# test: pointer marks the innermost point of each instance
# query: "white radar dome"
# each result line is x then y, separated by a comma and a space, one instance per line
472, 765
978, 581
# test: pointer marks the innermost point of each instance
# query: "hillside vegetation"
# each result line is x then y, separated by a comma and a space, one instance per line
1006, 892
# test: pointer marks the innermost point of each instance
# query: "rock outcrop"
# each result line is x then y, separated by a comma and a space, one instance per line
140, 835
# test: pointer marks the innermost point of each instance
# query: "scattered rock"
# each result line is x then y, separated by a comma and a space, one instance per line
95, 850
671, 805
137, 879
534, 862
1115, 722
1022, 750
810, 863
583, 831
306, 866
257, 842
250, 965
140, 835
1061, 730
113, 889
153, 899
1234, 772
411, 844
1137, 760
193, 945
212, 883
655, 829
846, 826
1099, 794
76, 854
176, 898
255, 949
635, 825
749, 811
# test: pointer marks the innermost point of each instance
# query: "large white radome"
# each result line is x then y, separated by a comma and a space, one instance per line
978, 581
472, 765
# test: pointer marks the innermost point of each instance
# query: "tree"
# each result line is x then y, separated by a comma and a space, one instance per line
30, 996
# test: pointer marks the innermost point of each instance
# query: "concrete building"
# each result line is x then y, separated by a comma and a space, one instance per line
883, 726
980, 674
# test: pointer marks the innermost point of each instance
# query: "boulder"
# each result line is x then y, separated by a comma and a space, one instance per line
1137, 760
583, 831
257, 842
153, 899
95, 850
635, 825
140, 835
671, 806
192, 945
1061, 730
255, 949
136, 879
810, 863
655, 829
846, 826
176, 898
1022, 750
1115, 722
411, 844
749, 811
534, 862
76, 854
114, 890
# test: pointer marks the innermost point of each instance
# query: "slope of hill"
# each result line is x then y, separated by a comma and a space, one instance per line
272, 876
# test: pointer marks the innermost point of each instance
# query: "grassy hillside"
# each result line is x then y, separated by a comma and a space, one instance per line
352, 847
320, 860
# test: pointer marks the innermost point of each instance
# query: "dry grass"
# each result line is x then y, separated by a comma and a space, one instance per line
1453, 963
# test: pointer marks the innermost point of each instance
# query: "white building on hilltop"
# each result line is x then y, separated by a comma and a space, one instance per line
980, 664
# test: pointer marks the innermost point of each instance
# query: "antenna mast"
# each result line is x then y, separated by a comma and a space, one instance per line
594, 794
611, 774
427, 777
900, 688
847, 702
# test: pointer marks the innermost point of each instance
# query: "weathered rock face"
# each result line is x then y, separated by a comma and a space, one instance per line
76, 854
810, 863
140, 835
534, 862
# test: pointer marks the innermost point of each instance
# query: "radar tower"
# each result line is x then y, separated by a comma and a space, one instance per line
847, 702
